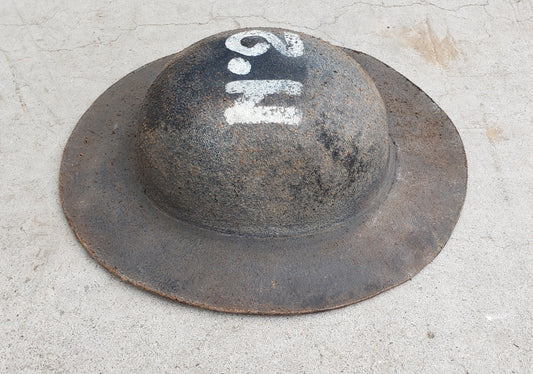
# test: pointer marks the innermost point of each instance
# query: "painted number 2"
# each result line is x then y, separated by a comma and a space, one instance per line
245, 108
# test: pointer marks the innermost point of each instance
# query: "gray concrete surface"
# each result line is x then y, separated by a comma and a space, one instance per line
470, 310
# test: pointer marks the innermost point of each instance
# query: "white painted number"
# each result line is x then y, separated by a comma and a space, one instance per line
293, 48
245, 108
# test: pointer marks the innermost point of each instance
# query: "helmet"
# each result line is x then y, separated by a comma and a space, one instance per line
264, 171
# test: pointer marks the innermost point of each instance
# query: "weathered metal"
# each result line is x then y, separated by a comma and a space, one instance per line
263, 171
318, 160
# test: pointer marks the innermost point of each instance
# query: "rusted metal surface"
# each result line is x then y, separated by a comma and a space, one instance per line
328, 223
321, 166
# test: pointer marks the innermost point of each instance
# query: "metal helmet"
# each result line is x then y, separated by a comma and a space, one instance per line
264, 171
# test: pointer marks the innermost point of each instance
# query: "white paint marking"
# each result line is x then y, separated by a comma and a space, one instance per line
239, 66
494, 317
294, 46
245, 109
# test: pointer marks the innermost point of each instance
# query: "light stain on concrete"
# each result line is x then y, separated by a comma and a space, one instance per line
423, 40
495, 134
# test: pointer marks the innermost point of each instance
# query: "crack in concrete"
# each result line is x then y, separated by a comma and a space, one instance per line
17, 87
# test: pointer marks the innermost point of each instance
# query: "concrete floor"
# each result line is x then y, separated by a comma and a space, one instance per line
470, 310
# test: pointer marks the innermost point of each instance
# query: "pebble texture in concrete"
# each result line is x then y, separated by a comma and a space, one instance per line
470, 310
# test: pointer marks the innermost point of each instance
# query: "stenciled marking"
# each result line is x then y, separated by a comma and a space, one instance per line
293, 48
239, 66
245, 108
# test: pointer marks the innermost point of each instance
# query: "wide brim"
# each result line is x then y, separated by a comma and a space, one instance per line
116, 222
